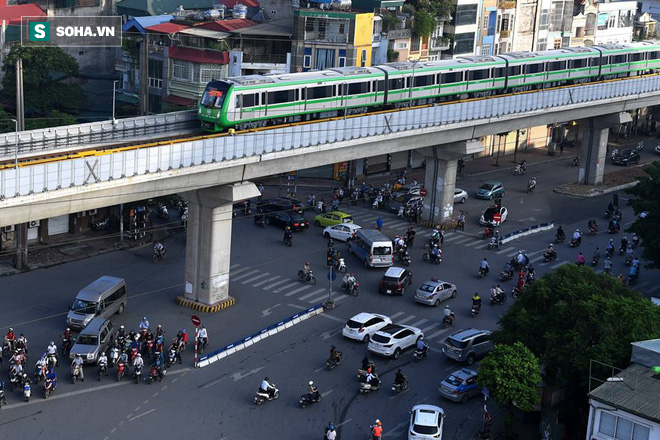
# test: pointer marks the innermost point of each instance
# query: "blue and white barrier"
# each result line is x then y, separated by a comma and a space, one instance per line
527, 231
258, 336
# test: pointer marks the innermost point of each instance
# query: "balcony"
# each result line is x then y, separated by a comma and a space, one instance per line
264, 58
155, 83
504, 33
440, 43
322, 36
506, 5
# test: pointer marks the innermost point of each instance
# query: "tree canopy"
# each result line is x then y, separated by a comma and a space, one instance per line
511, 374
43, 71
648, 199
573, 315
424, 23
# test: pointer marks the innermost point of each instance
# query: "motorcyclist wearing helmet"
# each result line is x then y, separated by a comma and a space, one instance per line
306, 269
607, 265
551, 252
267, 387
52, 351
422, 346
610, 247
484, 265
335, 355
577, 236
436, 253
103, 362
144, 324
77, 362
288, 235
138, 363
448, 314
399, 378
377, 430
560, 236
313, 391
330, 432
476, 301
624, 244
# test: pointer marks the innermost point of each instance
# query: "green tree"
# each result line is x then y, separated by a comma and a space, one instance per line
571, 316
511, 374
424, 24
648, 199
44, 69
52, 119
437, 8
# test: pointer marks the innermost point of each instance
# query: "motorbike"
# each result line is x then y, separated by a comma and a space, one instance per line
488, 232
613, 227
609, 252
640, 146
333, 362
575, 243
163, 212
340, 266
351, 288
559, 238
530, 278
531, 187
515, 292
506, 276
448, 321
75, 375
103, 370
158, 255
593, 230
121, 370
261, 397
259, 220
40, 371
474, 311
498, 299
306, 278
549, 256
137, 374
594, 261
52, 361
430, 258
374, 385
49, 387
418, 355
482, 272
492, 244
308, 399
288, 240
171, 357
27, 390
405, 259
201, 344
576, 161
629, 259
399, 387
148, 346
66, 347
100, 224
114, 356
156, 373
519, 171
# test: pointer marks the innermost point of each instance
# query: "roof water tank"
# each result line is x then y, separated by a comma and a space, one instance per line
343, 5
240, 11
213, 14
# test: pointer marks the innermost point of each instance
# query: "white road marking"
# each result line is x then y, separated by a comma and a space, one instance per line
288, 286
432, 326
268, 281
233, 266
236, 272
340, 298
320, 298
245, 275
240, 375
514, 253
476, 242
293, 292
505, 250
418, 323
531, 254
409, 318
326, 393
330, 333
325, 315
270, 286
265, 274
309, 295
463, 240
555, 266
396, 315
143, 414
268, 311
395, 431
342, 423
438, 333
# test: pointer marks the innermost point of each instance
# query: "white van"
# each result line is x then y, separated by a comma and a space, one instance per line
373, 248
103, 298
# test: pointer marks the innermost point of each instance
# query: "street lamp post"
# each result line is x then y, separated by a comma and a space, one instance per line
114, 93
15, 143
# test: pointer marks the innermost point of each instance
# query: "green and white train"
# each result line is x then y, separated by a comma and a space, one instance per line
255, 101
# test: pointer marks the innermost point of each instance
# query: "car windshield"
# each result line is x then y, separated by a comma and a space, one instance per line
84, 306
297, 218
353, 324
425, 430
87, 340
490, 212
453, 380
455, 343
391, 279
381, 338
427, 288
626, 152
382, 250
486, 186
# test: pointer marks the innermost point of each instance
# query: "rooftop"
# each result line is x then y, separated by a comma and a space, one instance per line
12, 14
638, 392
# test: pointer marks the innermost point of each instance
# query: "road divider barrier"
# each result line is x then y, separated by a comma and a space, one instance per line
527, 231
258, 336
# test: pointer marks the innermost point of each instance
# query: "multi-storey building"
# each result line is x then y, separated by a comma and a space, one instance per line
323, 39
462, 29
604, 23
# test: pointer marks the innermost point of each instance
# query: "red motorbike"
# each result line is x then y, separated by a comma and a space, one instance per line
121, 370
134, 352
488, 232
148, 346
156, 373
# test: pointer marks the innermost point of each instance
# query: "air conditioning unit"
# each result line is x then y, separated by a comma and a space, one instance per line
91, 212
34, 223
8, 228
81, 214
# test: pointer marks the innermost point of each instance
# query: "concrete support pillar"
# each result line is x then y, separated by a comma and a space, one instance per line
208, 244
593, 150
440, 177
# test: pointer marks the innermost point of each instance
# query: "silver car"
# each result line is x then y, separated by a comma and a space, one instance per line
92, 340
460, 385
460, 195
434, 291
467, 345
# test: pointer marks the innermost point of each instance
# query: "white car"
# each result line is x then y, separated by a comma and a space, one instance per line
657, 149
342, 231
362, 326
487, 218
392, 339
460, 195
426, 422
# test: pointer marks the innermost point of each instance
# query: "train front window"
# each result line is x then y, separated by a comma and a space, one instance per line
214, 95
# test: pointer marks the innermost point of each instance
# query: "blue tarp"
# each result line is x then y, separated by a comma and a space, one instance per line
140, 23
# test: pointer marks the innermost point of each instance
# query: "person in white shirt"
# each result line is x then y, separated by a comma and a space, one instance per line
78, 363
267, 387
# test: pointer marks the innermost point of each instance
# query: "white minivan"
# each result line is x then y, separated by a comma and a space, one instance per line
373, 248
103, 298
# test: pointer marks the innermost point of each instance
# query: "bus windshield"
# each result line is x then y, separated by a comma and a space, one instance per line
214, 95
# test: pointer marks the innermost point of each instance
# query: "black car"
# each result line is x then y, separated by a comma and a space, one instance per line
280, 204
294, 220
626, 157
395, 281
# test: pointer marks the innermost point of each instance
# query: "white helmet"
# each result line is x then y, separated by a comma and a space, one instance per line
311, 383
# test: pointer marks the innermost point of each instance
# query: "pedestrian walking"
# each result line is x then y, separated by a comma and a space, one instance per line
379, 223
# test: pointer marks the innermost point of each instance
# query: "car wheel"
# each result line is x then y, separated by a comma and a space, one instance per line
403, 290
317, 223
490, 197
267, 220
350, 250
453, 294
326, 235
470, 359
464, 399
436, 303
366, 264
365, 339
463, 200
121, 309
397, 353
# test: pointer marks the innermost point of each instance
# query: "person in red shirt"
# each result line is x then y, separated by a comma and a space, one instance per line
10, 339
377, 430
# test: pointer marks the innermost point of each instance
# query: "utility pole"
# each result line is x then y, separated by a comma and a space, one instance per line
20, 107
144, 77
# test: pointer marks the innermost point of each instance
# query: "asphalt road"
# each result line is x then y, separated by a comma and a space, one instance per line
216, 402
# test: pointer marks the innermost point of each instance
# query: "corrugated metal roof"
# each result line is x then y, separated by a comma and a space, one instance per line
637, 393
282, 27
167, 28
12, 14
231, 3
140, 23
205, 33
228, 25
198, 55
